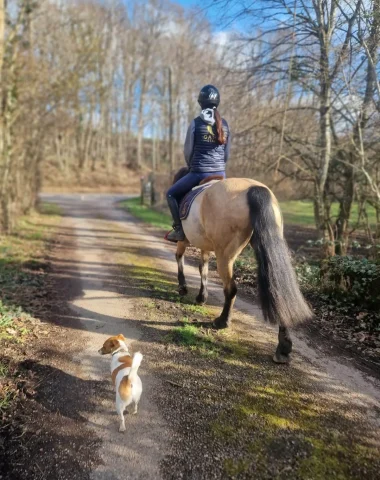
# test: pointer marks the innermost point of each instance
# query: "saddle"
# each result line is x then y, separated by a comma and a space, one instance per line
188, 199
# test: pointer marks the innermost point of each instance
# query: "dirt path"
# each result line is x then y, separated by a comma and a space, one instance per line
111, 265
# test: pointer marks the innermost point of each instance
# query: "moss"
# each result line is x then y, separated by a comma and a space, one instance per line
238, 362
275, 416
326, 461
281, 422
223, 431
235, 349
235, 467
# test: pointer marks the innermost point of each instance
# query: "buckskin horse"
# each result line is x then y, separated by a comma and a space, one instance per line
224, 218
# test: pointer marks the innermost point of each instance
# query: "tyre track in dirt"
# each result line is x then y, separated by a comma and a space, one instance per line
102, 312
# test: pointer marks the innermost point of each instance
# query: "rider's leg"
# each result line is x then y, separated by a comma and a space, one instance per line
174, 194
178, 191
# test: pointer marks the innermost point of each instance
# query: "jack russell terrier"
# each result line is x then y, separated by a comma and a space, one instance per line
124, 375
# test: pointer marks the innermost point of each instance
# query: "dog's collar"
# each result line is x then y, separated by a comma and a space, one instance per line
119, 350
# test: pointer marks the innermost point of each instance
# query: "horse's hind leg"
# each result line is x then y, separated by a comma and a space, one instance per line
203, 270
225, 270
180, 254
284, 346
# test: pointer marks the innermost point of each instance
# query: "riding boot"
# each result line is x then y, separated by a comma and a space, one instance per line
177, 235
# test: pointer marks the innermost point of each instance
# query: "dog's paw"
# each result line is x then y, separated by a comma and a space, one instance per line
122, 428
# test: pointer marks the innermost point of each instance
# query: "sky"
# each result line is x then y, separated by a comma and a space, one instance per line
188, 3
211, 12
214, 14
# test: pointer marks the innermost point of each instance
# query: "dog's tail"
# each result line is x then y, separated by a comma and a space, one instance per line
137, 357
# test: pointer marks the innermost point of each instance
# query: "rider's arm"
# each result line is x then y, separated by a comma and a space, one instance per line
189, 143
227, 148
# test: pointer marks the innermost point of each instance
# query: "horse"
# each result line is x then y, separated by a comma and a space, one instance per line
223, 219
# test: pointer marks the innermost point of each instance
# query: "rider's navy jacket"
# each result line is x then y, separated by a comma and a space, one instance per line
202, 152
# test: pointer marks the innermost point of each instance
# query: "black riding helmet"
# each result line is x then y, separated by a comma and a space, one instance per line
209, 97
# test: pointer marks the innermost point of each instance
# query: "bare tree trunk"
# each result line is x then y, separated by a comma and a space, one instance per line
342, 223
61, 164
140, 132
2, 42
3, 205
178, 135
322, 221
171, 120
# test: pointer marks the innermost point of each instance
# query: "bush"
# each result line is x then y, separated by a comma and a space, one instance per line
346, 286
308, 275
357, 279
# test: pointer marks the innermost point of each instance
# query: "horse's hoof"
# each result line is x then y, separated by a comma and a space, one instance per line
201, 299
281, 358
182, 290
219, 323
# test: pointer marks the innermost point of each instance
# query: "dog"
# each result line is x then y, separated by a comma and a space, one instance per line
124, 375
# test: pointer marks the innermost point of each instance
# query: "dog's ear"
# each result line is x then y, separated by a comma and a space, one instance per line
121, 337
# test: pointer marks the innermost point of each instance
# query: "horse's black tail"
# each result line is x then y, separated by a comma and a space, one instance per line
281, 299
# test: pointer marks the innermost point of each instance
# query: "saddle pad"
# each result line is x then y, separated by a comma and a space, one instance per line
189, 198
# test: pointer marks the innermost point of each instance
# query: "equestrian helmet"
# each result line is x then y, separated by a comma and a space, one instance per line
209, 97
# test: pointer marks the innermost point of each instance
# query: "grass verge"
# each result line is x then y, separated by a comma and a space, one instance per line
295, 212
301, 212
253, 418
256, 419
23, 290
152, 217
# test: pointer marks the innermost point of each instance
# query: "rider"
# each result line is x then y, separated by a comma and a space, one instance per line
206, 150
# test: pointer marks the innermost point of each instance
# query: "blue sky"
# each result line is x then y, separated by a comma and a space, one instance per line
214, 14
187, 3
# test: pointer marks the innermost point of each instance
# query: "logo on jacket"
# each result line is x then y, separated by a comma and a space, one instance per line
210, 137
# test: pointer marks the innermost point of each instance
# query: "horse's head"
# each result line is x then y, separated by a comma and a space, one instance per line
181, 173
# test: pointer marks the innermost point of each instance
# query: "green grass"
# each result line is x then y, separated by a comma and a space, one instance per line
4, 370
6, 399
295, 212
271, 413
49, 209
13, 321
194, 338
22, 259
300, 212
148, 215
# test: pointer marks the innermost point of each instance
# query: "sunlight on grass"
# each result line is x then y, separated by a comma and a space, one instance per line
194, 338
146, 214
295, 212
299, 212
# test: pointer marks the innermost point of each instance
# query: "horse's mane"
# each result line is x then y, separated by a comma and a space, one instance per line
181, 173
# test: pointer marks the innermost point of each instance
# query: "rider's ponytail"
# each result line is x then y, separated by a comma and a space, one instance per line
219, 128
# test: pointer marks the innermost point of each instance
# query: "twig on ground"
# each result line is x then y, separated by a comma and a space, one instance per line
174, 383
